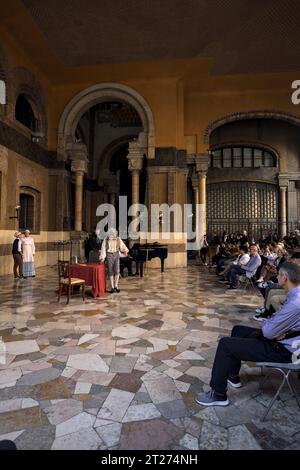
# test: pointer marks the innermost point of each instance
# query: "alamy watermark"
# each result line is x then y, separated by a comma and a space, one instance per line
2, 92
295, 97
2, 352
162, 221
296, 354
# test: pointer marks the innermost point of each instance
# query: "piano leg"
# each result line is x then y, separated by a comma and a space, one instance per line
162, 263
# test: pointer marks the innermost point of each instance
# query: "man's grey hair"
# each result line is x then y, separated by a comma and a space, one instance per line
292, 272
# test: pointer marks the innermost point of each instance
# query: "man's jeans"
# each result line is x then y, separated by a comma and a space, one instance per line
233, 275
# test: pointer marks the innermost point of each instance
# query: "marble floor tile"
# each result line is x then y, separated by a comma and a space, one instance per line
109, 433
84, 439
115, 406
76, 423
90, 362
141, 412
122, 371
22, 347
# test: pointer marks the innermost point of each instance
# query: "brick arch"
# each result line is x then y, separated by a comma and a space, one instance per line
256, 114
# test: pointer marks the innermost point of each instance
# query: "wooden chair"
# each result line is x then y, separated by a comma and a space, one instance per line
66, 282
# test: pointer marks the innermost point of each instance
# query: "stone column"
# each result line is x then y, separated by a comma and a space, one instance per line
283, 184
195, 183
79, 167
201, 161
135, 165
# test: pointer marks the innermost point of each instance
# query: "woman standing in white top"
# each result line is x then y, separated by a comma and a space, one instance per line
28, 250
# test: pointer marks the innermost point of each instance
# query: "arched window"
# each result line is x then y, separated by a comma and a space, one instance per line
241, 157
24, 113
26, 212
30, 209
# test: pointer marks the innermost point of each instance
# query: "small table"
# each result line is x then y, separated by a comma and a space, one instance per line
93, 274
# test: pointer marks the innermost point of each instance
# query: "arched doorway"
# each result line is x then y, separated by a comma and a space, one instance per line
111, 107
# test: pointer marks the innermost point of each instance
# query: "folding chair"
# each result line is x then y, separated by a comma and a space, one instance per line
246, 283
285, 369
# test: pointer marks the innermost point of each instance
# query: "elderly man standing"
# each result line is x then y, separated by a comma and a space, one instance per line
276, 342
28, 250
17, 255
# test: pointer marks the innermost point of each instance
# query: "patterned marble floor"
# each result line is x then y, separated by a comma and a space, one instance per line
122, 372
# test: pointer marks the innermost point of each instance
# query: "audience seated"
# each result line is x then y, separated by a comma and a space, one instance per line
274, 343
274, 296
271, 268
247, 270
242, 259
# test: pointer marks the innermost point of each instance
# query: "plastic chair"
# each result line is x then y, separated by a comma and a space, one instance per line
285, 369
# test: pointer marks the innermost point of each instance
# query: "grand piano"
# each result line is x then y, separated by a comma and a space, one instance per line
143, 253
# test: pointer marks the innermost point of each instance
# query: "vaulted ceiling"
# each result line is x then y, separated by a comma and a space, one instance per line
241, 36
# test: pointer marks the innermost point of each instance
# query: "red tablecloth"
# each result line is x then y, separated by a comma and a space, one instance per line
93, 274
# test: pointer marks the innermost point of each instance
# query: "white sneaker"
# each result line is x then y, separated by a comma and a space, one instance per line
258, 317
262, 285
234, 382
260, 310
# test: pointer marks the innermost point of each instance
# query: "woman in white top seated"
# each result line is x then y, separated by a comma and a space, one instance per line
242, 259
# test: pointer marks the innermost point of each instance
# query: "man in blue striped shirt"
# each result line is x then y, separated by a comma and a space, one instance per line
276, 342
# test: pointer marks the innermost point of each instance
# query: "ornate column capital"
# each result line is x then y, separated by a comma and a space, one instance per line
79, 166
283, 182
201, 162
78, 156
135, 155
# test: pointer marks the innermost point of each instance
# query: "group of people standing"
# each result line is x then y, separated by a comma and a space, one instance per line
23, 251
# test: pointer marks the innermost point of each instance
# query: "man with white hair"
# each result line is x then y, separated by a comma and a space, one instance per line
111, 248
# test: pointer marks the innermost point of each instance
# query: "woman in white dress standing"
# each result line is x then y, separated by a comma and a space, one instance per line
28, 250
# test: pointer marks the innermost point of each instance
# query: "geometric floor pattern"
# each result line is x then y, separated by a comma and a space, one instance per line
121, 372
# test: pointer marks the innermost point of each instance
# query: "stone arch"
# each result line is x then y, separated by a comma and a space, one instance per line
93, 95
258, 114
24, 82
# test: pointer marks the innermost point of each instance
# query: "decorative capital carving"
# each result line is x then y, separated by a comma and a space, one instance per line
79, 166
78, 155
3, 159
201, 162
283, 182
135, 155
